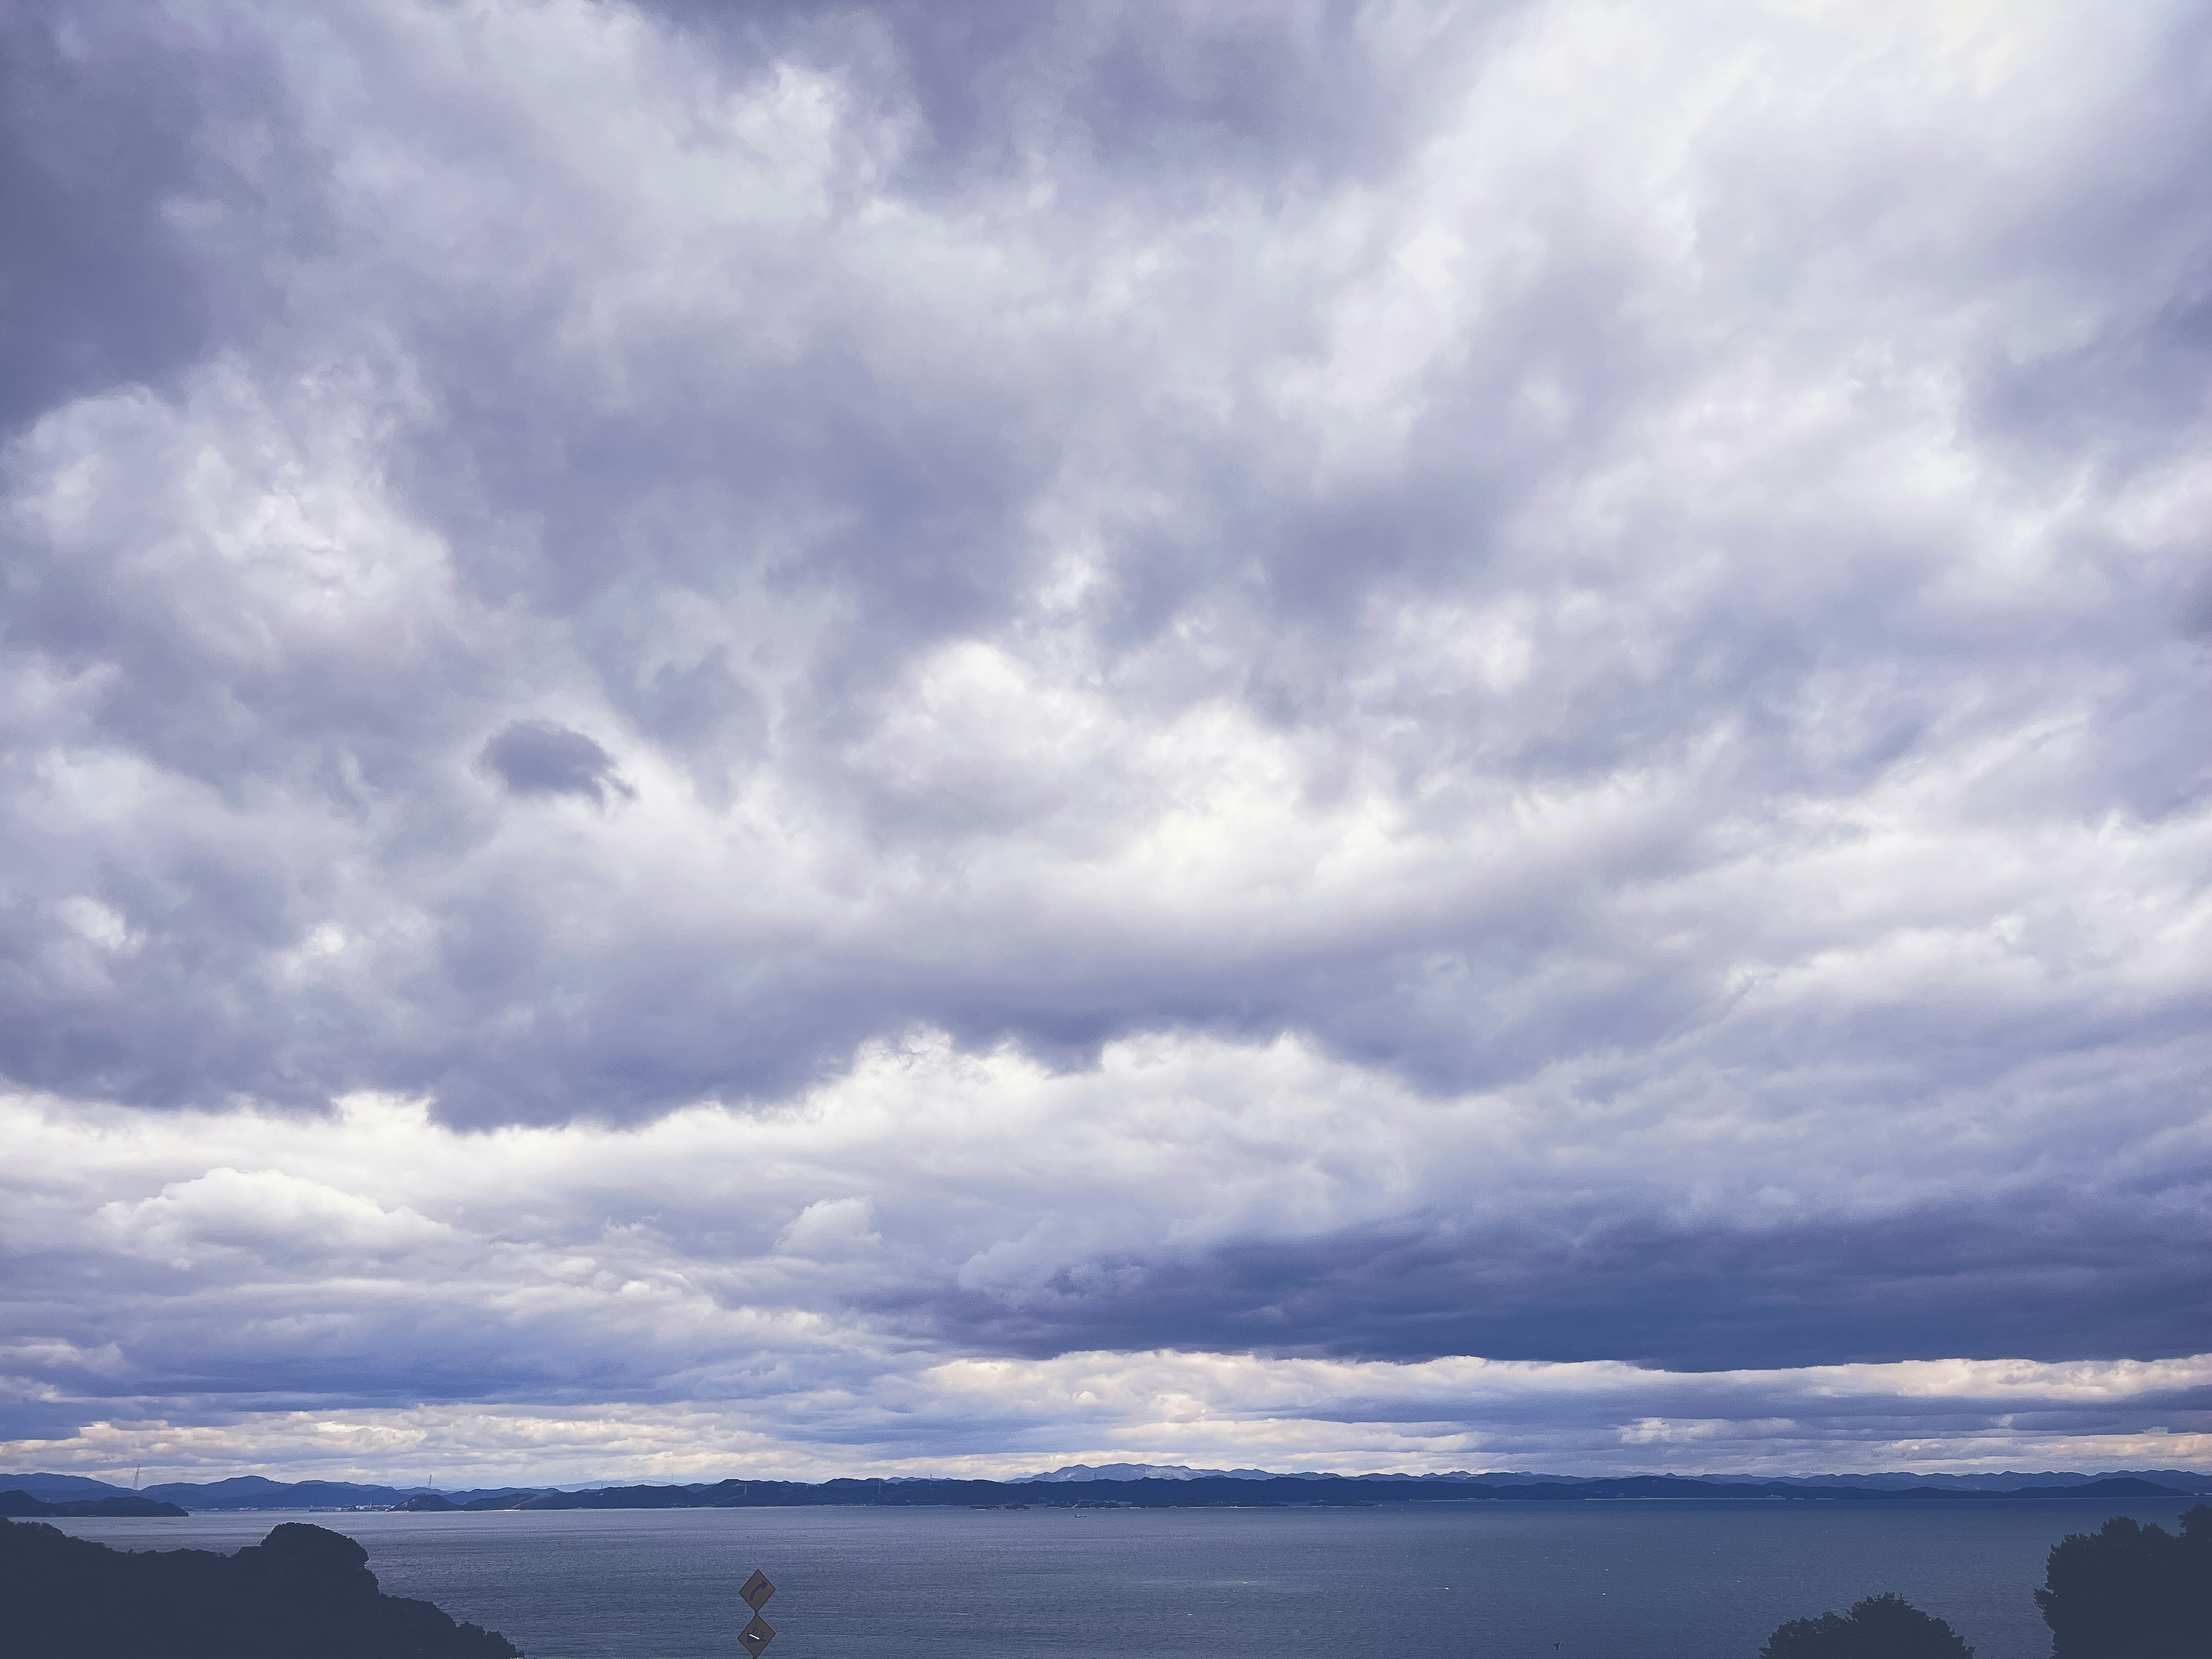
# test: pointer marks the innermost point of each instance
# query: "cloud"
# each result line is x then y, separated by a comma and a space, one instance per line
1281, 1414
537, 757
265, 1212
1353, 684
897, 1266
1441, 661
99, 290
829, 1228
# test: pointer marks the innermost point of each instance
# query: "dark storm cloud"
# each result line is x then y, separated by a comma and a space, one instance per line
97, 289
537, 758
1820, 1292
1608, 572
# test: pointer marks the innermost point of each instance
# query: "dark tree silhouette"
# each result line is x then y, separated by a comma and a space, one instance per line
1880, 1627
301, 1591
2131, 1591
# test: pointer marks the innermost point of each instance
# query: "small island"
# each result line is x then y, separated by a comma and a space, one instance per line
302, 1589
23, 1507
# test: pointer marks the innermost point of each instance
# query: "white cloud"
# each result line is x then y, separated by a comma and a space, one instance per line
263, 1212
829, 1228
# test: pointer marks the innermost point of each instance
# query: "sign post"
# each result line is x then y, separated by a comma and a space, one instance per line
757, 1635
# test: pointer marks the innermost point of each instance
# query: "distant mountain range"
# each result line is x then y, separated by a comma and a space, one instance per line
1148, 1472
244, 1492
1144, 1484
2182, 1480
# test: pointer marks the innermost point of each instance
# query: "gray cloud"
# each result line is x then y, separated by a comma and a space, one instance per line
154, 195
537, 758
1640, 576
99, 291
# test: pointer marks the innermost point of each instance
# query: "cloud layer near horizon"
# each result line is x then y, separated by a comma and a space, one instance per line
702, 716
531, 1304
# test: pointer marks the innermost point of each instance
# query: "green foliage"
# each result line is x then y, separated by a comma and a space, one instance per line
2131, 1592
1880, 1627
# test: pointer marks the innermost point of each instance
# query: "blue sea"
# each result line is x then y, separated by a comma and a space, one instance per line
1655, 1580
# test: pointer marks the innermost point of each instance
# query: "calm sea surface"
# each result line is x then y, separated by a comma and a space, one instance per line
1705, 1580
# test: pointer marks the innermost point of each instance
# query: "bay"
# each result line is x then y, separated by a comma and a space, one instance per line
1657, 1579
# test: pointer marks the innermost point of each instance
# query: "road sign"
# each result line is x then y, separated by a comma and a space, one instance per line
756, 1591
757, 1635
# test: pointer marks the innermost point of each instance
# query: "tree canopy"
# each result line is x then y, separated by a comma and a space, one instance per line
2130, 1591
1880, 1627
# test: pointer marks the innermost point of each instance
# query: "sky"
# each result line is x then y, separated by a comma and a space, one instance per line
824, 739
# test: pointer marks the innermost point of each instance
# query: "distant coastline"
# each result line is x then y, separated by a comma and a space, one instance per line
1141, 1486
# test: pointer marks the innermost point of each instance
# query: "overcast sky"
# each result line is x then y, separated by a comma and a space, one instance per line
805, 739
